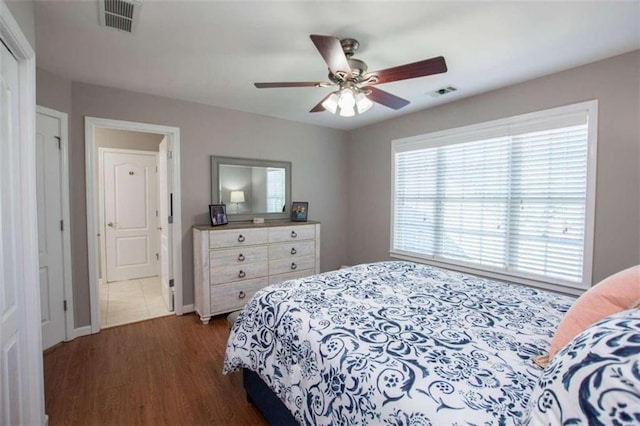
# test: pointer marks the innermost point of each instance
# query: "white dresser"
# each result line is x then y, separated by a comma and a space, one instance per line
233, 261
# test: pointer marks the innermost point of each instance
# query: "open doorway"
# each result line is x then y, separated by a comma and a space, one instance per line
133, 212
128, 185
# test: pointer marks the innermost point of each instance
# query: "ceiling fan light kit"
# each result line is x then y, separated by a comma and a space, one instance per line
356, 94
347, 102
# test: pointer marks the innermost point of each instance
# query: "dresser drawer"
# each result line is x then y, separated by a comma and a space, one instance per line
292, 250
237, 238
281, 266
292, 233
275, 279
237, 256
237, 272
231, 297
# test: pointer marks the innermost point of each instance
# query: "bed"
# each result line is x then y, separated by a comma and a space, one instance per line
395, 343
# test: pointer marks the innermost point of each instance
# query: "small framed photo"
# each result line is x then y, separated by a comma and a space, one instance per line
299, 211
218, 214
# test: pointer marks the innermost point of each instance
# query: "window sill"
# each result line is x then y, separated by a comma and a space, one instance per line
554, 287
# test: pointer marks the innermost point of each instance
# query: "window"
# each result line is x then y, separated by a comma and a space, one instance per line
275, 190
513, 196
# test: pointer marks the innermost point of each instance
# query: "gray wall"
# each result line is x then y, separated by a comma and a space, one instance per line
24, 13
53, 91
125, 139
614, 82
318, 155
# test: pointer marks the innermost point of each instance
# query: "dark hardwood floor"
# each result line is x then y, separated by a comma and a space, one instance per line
162, 371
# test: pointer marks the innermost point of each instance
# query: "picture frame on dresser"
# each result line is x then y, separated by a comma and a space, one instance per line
218, 214
299, 211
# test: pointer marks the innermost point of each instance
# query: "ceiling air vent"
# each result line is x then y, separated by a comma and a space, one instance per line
119, 14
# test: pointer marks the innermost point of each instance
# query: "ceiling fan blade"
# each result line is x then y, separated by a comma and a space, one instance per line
293, 84
319, 107
332, 53
431, 66
386, 98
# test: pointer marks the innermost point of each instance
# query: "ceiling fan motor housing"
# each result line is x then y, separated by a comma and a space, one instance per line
349, 46
358, 69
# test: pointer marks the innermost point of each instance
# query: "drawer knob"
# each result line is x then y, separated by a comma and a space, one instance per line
241, 238
293, 250
293, 234
241, 295
241, 257
242, 274
293, 265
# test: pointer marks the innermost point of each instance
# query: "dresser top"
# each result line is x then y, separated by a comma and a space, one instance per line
245, 225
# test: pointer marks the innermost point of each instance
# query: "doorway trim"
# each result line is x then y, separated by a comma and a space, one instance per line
93, 225
31, 373
66, 229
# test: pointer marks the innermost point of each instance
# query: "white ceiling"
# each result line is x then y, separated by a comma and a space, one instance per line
213, 51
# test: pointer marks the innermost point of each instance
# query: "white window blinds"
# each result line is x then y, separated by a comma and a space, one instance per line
275, 190
510, 197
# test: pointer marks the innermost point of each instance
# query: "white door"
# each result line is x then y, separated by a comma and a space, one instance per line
49, 192
130, 200
165, 227
17, 396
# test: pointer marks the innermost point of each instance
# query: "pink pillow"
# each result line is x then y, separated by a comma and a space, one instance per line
616, 293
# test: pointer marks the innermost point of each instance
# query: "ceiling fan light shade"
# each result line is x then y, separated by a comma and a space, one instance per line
347, 111
347, 99
363, 103
331, 103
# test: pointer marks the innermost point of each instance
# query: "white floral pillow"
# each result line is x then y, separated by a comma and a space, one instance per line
595, 379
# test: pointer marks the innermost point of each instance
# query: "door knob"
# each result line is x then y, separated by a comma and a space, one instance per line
111, 224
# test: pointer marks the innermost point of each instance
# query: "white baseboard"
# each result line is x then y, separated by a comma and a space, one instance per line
187, 309
82, 331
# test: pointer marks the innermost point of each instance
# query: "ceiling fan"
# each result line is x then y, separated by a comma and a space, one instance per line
356, 89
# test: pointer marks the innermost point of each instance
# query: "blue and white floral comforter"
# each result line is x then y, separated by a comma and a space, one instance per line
397, 343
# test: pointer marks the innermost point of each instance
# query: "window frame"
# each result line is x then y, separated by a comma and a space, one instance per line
477, 132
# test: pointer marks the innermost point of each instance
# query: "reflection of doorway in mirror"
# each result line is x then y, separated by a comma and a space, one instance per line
275, 190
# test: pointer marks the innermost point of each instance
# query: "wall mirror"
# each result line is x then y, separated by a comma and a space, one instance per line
251, 188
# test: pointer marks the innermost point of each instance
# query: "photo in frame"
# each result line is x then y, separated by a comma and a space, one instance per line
299, 211
218, 214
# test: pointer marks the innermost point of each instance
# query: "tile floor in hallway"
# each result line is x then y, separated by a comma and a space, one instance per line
124, 302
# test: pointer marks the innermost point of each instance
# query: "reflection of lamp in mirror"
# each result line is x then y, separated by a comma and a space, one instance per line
237, 197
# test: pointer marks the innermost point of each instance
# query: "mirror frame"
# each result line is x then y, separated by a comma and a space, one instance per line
216, 161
